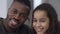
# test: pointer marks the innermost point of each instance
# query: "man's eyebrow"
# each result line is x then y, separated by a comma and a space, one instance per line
14, 9
23, 14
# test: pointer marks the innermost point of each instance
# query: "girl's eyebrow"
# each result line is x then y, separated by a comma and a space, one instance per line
43, 18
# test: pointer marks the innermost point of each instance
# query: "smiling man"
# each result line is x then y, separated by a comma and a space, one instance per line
16, 17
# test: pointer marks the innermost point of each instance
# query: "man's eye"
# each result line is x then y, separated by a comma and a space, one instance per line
23, 15
14, 11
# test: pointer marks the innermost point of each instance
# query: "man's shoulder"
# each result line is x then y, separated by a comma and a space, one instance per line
25, 27
1, 28
1, 23
28, 29
1, 19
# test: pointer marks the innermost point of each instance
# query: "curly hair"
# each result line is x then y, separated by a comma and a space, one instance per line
52, 15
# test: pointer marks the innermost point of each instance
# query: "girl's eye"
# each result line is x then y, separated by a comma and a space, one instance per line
34, 20
42, 21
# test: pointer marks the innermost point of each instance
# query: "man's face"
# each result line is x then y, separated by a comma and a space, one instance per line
17, 15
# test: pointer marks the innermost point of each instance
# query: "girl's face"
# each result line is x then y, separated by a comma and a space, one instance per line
40, 21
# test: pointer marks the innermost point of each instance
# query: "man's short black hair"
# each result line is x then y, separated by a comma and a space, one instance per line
25, 2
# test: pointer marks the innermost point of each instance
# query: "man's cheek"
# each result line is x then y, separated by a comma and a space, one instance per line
11, 16
23, 20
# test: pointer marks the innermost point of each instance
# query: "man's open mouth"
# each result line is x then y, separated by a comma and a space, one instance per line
14, 23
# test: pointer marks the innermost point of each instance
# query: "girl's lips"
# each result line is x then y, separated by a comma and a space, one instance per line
39, 29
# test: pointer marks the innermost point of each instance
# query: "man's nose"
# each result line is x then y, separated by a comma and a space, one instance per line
17, 16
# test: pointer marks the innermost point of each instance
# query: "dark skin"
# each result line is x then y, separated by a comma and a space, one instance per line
17, 15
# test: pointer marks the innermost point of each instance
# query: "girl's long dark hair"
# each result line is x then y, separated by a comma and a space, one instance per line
52, 15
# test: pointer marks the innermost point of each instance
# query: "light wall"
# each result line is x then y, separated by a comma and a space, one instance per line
3, 8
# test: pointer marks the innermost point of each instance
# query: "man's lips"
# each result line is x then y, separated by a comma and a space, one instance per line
14, 23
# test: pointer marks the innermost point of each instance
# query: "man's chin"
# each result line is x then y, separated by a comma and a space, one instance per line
13, 27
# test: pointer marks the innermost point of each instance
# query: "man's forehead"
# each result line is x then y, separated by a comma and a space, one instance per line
18, 4
19, 7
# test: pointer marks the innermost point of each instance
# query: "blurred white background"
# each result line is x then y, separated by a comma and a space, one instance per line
3, 8
5, 4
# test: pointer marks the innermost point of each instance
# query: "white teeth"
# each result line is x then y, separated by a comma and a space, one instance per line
39, 29
13, 22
